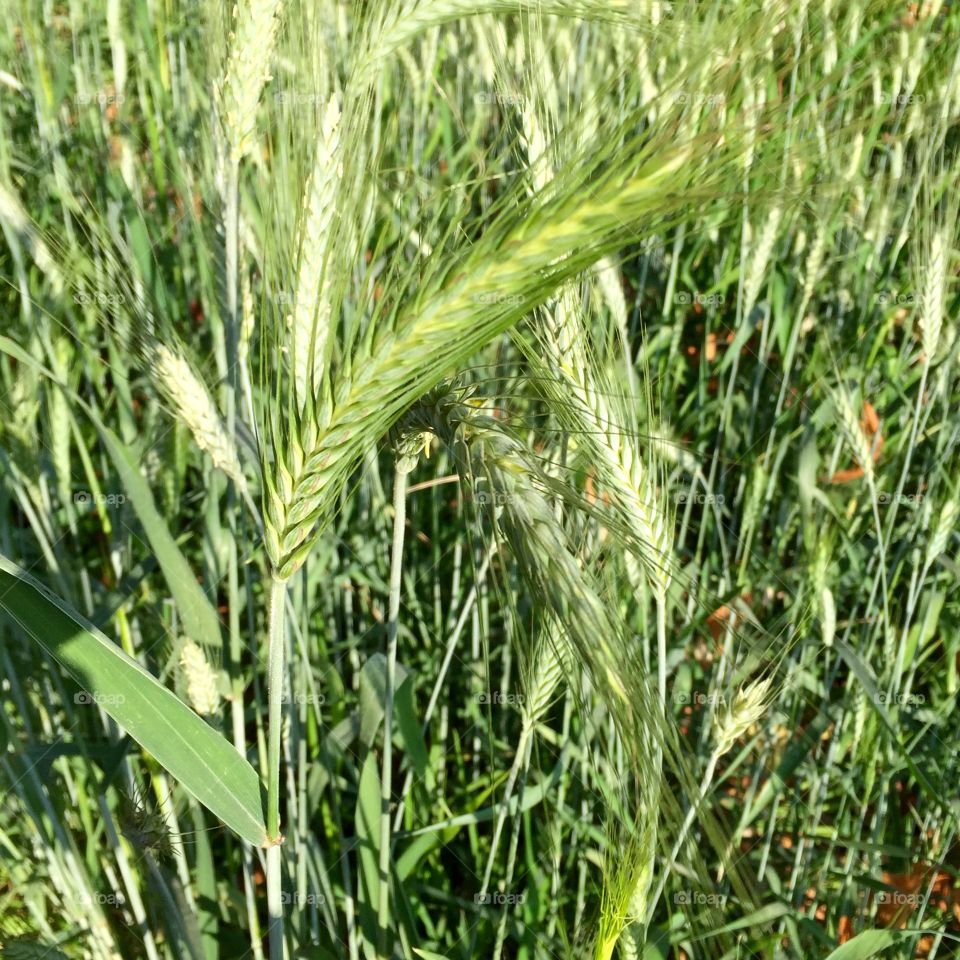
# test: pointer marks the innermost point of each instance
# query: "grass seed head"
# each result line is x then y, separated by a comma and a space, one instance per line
193, 404
201, 679
734, 719
247, 72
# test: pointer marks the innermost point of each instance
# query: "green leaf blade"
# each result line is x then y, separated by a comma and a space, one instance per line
205, 764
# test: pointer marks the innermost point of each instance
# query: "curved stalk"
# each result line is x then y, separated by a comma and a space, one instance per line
396, 572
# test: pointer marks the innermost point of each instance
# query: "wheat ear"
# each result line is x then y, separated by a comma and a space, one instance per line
311, 314
194, 406
432, 335
565, 336
251, 46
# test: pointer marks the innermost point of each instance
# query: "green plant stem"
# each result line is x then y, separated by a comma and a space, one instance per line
684, 830
662, 649
396, 573
276, 642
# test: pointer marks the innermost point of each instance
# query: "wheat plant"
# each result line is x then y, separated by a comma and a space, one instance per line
479, 480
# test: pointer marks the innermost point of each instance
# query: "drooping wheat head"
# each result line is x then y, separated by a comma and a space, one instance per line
194, 406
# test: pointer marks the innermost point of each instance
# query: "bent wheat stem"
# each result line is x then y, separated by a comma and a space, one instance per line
396, 572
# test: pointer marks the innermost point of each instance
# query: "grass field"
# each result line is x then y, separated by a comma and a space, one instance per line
479, 480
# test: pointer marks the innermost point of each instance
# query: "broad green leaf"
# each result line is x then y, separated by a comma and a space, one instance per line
200, 620
866, 944
204, 762
766, 914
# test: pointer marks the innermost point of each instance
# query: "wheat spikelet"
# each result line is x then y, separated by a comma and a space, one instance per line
940, 537
195, 407
734, 719
852, 431
311, 315
814, 262
760, 259
635, 494
931, 307
247, 71
201, 680
550, 663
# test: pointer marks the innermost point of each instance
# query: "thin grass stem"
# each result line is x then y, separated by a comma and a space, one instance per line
386, 784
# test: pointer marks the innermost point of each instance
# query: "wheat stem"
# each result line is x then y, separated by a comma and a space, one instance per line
396, 574
684, 829
276, 641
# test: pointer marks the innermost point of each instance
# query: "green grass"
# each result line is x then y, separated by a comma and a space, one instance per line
541, 418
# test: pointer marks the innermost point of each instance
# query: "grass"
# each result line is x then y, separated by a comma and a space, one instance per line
479, 480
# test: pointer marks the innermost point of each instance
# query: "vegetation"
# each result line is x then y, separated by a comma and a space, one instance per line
479, 480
